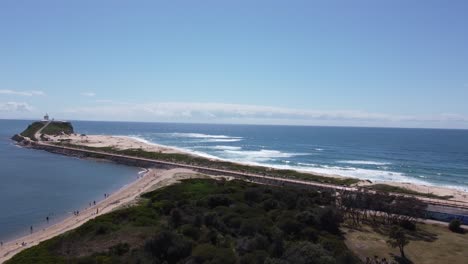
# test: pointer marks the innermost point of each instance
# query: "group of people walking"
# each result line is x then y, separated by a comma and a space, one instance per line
76, 213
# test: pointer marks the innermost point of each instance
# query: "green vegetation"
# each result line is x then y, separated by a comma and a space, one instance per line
207, 221
57, 128
398, 239
395, 189
217, 164
54, 128
31, 130
455, 226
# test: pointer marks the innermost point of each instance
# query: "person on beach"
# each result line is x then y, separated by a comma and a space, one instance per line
97, 210
47, 219
31, 229
94, 202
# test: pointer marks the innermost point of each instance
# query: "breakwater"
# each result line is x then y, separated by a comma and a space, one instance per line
262, 179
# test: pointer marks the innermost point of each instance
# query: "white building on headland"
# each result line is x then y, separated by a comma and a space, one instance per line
47, 118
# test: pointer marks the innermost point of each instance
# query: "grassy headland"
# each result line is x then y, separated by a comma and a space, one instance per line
58, 128
54, 128
207, 221
32, 129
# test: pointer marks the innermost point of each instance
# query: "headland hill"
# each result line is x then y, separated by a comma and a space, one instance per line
220, 211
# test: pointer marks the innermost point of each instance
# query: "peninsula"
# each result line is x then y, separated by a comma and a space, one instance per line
166, 166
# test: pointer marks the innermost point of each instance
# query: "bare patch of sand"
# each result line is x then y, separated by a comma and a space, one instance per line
458, 195
117, 142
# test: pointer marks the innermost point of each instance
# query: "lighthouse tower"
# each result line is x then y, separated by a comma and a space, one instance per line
46, 117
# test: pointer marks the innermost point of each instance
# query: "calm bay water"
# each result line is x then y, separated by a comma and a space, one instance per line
35, 184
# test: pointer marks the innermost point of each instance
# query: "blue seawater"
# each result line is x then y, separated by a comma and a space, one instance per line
424, 156
35, 184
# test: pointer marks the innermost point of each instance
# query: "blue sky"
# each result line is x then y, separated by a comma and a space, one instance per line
354, 63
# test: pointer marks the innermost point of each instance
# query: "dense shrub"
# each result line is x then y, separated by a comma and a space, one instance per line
119, 249
408, 225
218, 200
168, 246
330, 220
455, 226
200, 221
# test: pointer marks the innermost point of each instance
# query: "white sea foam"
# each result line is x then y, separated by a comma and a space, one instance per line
364, 162
220, 140
140, 139
262, 155
266, 158
364, 174
199, 135
220, 147
319, 149
202, 154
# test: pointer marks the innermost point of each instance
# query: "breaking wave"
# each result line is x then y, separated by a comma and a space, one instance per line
203, 138
364, 162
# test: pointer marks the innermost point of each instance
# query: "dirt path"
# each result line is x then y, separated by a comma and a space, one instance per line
38, 133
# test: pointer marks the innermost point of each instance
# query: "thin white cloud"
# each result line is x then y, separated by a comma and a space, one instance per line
236, 113
15, 107
22, 93
88, 94
104, 101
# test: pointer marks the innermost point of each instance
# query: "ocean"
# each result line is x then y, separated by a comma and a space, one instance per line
423, 156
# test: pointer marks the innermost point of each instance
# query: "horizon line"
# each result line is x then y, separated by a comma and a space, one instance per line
245, 124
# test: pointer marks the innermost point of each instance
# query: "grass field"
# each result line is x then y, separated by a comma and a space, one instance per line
430, 244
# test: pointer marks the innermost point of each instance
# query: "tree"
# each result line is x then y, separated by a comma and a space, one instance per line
397, 238
455, 226
168, 246
307, 253
176, 217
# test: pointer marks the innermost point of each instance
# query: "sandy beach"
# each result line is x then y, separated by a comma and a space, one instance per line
458, 195
122, 142
118, 142
127, 195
